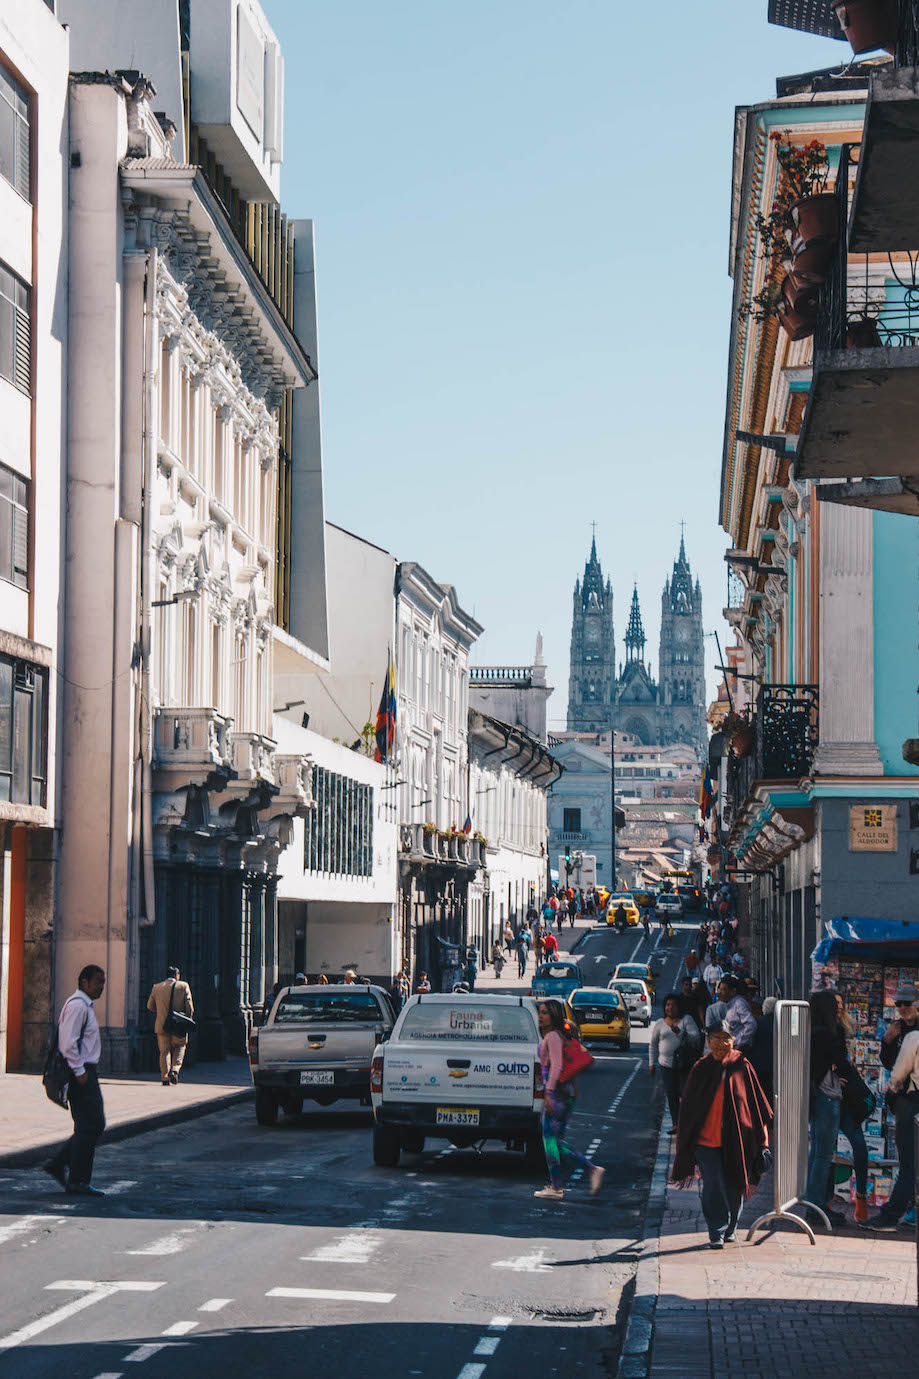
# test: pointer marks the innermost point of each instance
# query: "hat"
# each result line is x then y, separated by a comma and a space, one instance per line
719, 1027
769, 1004
906, 992
300, 977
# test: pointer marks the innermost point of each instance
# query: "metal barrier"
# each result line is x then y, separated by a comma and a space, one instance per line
791, 1060
916, 1193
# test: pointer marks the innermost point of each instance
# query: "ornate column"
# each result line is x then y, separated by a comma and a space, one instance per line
847, 746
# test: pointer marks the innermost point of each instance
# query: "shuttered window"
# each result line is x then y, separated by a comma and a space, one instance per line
14, 133
23, 732
15, 331
14, 528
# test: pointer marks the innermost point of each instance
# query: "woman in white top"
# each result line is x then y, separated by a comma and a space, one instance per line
667, 1035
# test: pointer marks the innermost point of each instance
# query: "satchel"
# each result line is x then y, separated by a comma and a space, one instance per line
686, 1056
176, 1021
857, 1098
575, 1059
57, 1072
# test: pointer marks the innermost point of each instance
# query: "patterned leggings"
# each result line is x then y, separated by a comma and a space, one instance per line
560, 1157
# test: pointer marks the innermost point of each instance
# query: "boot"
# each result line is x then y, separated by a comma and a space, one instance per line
861, 1208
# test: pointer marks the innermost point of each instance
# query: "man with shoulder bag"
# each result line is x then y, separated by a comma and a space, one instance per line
171, 1002
79, 1043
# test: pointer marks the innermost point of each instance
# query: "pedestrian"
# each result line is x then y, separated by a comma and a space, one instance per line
559, 1102
850, 1126
591, 903
299, 979
550, 946
762, 1049
900, 1055
508, 935
691, 1003
619, 917
691, 963
270, 1000
498, 959
169, 995
350, 977
423, 986
523, 951
580, 902
724, 1130
676, 1043
829, 1067
712, 975
646, 922
737, 1013
322, 979
471, 969
532, 914
80, 1045
561, 912
539, 944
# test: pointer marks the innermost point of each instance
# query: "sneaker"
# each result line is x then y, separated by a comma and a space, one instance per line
165, 1081
56, 1171
731, 1239
881, 1223
861, 1209
554, 1194
597, 1175
909, 1219
716, 1244
85, 1190
173, 1078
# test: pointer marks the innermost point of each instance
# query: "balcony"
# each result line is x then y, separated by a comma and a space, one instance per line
252, 756
191, 745
785, 736
419, 845
571, 837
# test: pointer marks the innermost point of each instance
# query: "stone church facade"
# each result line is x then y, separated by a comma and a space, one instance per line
669, 709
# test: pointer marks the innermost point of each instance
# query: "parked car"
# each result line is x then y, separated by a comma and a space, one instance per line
669, 905
317, 1045
602, 1014
623, 898
461, 1068
556, 979
636, 996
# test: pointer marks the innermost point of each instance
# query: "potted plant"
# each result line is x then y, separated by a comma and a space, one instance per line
797, 318
862, 333
810, 210
868, 24
738, 730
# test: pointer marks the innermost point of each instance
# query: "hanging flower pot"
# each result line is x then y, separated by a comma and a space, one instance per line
742, 740
797, 325
862, 334
800, 296
812, 265
814, 221
868, 24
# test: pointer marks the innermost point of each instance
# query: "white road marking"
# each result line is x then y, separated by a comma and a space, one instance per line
214, 1304
168, 1244
471, 1372
617, 1100
115, 1188
109, 1375
26, 1224
354, 1248
92, 1293
329, 1294
180, 1328
487, 1345
499, 1323
145, 1352
525, 1264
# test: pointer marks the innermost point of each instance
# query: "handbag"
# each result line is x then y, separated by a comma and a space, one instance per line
686, 1056
176, 1021
575, 1059
57, 1072
857, 1098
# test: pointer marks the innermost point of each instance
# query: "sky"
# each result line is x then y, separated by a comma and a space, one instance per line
522, 217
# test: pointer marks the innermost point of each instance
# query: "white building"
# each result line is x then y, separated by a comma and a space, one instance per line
33, 361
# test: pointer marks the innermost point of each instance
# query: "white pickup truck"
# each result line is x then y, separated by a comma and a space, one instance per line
462, 1068
317, 1045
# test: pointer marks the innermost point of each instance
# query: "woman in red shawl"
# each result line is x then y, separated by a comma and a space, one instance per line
723, 1130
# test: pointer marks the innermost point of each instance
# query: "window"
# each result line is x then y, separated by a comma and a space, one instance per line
14, 528
572, 821
338, 833
23, 732
15, 331
14, 133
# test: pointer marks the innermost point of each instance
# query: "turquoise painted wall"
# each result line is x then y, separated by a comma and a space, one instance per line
896, 638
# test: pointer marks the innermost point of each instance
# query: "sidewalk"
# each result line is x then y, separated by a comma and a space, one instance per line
509, 981
775, 1306
33, 1126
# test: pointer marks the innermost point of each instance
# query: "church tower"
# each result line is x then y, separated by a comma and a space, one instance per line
592, 681
682, 658
637, 694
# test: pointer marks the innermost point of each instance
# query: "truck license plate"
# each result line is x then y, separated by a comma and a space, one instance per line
310, 1079
457, 1115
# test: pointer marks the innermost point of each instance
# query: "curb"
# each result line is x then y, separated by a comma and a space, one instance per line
129, 1129
635, 1357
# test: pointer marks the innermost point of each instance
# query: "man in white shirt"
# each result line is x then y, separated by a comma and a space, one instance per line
80, 1043
712, 975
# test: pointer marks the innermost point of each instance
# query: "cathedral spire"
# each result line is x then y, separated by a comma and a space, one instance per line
635, 632
681, 587
593, 589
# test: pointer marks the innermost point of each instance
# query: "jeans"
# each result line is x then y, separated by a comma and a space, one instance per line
88, 1124
559, 1156
521, 961
902, 1196
856, 1137
824, 1126
721, 1202
671, 1079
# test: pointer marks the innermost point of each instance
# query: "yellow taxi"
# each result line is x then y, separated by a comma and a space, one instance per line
627, 901
601, 1014
640, 971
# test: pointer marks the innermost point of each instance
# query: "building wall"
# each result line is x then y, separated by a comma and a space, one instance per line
896, 654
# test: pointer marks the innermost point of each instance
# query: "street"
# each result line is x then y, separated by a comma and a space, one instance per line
249, 1250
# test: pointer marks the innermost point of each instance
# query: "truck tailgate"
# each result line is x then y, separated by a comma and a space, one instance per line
329, 1045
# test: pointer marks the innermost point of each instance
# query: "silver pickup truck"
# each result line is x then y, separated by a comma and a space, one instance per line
317, 1044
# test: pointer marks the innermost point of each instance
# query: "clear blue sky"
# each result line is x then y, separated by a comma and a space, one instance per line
522, 222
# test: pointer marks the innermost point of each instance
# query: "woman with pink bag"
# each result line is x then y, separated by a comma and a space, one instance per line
562, 1056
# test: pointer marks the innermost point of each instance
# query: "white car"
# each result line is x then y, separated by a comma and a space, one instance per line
669, 905
636, 996
461, 1068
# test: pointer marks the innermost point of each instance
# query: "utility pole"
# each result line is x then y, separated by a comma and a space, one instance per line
612, 804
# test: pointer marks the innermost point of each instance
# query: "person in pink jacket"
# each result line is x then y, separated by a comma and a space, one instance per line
560, 1099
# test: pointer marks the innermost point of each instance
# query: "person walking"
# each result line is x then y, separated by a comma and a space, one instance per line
550, 946
471, 967
498, 959
712, 975
523, 950
508, 935
724, 1131
559, 1103
850, 1126
80, 1043
902, 1036
737, 1013
676, 1041
170, 994
539, 944
561, 913
619, 917
423, 985
829, 1068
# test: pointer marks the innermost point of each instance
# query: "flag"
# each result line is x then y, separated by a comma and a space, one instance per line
706, 793
468, 824
386, 716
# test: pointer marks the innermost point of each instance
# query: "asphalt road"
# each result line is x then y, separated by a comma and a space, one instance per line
224, 1250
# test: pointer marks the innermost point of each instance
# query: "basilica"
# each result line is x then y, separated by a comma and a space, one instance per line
668, 710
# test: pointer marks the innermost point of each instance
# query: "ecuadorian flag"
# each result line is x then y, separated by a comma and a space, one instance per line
706, 793
386, 716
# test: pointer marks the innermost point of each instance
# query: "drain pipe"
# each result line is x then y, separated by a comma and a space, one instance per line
147, 587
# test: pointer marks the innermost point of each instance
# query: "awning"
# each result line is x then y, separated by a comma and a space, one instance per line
866, 938
810, 16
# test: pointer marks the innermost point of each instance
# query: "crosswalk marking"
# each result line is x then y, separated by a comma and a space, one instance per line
169, 1244
471, 1372
115, 1188
525, 1264
92, 1293
329, 1294
214, 1304
487, 1345
180, 1328
145, 1352
26, 1224
356, 1247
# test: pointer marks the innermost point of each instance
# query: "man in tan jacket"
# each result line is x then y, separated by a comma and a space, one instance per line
172, 1046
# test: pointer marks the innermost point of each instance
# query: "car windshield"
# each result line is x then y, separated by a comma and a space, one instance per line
556, 969
595, 998
624, 898
633, 988
632, 970
315, 1008
468, 1021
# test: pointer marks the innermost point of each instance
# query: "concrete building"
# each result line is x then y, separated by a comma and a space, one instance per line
33, 366
513, 694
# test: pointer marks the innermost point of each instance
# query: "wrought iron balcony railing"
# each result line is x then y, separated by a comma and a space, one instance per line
785, 736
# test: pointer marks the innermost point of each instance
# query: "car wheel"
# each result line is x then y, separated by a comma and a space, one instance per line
266, 1107
413, 1142
385, 1146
